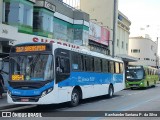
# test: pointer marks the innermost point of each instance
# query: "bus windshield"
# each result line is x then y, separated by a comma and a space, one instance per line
37, 67
134, 74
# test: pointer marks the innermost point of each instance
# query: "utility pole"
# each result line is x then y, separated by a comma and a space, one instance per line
114, 25
157, 57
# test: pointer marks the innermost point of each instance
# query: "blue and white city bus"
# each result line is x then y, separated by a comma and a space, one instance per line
51, 73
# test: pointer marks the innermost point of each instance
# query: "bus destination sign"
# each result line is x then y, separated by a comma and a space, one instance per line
34, 48
134, 67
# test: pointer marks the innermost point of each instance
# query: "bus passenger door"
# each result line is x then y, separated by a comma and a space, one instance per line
62, 68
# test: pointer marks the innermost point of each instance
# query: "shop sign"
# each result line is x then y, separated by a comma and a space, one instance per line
99, 34
36, 39
49, 6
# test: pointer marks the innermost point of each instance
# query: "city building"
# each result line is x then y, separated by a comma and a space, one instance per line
121, 44
99, 33
123, 27
96, 10
51, 20
102, 12
145, 50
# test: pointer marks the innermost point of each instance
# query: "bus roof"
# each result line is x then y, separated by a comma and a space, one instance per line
88, 52
75, 48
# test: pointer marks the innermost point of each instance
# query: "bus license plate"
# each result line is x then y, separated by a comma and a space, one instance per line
24, 99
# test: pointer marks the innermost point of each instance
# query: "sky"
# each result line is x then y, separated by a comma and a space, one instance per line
74, 3
144, 16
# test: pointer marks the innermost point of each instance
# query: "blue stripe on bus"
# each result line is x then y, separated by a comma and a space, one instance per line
34, 92
89, 78
76, 78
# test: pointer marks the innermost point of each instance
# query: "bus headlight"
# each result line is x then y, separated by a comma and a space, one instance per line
9, 93
141, 83
49, 90
46, 92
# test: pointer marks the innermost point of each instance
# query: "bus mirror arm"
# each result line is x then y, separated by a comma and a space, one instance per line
5, 72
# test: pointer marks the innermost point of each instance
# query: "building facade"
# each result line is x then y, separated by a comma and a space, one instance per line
46, 18
96, 10
103, 11
145, 50
122, 41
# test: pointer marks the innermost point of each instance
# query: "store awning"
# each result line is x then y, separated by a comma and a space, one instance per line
127, 58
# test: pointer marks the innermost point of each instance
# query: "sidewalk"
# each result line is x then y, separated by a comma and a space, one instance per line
3, 102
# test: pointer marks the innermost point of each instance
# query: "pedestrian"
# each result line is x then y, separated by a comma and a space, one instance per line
1, 84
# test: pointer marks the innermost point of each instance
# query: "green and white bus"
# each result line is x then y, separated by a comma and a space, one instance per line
141, 76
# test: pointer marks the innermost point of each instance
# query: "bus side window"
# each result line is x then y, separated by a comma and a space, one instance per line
148, 71
117, 68
58, 68
97, 64
112, 67
62, 65
121, 67
104, 65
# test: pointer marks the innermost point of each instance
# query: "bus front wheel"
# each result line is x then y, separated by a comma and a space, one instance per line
75, 97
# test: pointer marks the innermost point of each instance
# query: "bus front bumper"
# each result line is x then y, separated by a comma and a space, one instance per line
135, 84
48, 99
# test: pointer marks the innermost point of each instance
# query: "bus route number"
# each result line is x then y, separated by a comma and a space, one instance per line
17, 77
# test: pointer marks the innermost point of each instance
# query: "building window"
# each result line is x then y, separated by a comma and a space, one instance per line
146, 58
122, 44
60, 30
135, 50
152, 47
117, 42
18, 12
43, 20
126, 46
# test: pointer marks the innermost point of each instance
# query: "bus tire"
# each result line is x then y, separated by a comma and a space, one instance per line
147, 84
75, 98
154, 84
110, 91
